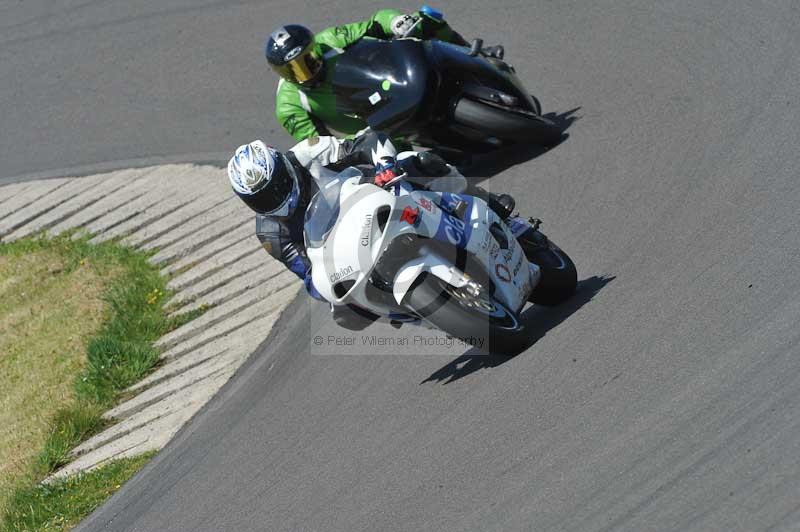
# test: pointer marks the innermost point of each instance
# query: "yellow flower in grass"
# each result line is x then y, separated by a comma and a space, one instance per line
154, 296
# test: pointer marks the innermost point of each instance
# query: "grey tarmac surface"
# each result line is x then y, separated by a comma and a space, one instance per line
665, 396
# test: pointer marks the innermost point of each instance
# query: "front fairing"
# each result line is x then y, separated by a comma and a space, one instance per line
381, 82
344, 243
370, 220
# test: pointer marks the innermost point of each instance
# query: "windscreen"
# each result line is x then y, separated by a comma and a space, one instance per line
323, 210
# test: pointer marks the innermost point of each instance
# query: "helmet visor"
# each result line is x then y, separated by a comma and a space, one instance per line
274, 197
302, 68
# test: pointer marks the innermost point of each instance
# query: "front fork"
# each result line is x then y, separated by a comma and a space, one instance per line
528, 236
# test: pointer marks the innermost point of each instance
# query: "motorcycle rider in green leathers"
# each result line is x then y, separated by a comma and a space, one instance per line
305, 104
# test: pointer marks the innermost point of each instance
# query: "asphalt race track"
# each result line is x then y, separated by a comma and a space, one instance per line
665, 396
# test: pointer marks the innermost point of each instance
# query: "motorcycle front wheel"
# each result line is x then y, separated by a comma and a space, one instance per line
480, 321
559, 275
506, 124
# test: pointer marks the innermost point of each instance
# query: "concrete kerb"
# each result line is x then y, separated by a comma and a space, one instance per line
8, 192
149, 190
229, 346
46, 203
144, 218
141, 219
165, 389
183, 364
226, 268
127, 193
203, 288
169, 222
178, 401
223, 240
31, 193
220, 347
222, 330
122, 213
197, 226
39, 206
259, 293
211, 265
269, 272
150, 437
67, 209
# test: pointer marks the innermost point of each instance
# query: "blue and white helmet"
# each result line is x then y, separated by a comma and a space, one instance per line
262, 177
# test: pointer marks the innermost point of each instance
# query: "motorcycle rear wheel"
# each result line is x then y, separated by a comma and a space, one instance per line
506, 124
472, 320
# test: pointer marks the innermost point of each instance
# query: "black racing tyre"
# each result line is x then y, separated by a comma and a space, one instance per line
506, 124
485, 323
559, 276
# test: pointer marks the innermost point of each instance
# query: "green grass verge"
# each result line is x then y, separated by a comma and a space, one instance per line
62, 505
118, 355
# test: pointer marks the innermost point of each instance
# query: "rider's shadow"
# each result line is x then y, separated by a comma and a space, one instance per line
540, 320
490, 164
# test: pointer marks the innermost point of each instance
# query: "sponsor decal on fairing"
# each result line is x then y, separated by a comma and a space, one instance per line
366, 230
341, 274
452, 229
411, 216
502, 272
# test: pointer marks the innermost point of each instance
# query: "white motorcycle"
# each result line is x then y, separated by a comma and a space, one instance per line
405, 254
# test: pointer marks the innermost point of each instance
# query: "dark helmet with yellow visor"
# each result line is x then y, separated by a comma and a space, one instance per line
291, 53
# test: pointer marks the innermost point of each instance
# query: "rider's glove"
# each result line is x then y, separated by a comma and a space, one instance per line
494, 51
403, 25
431, 164
385, 171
